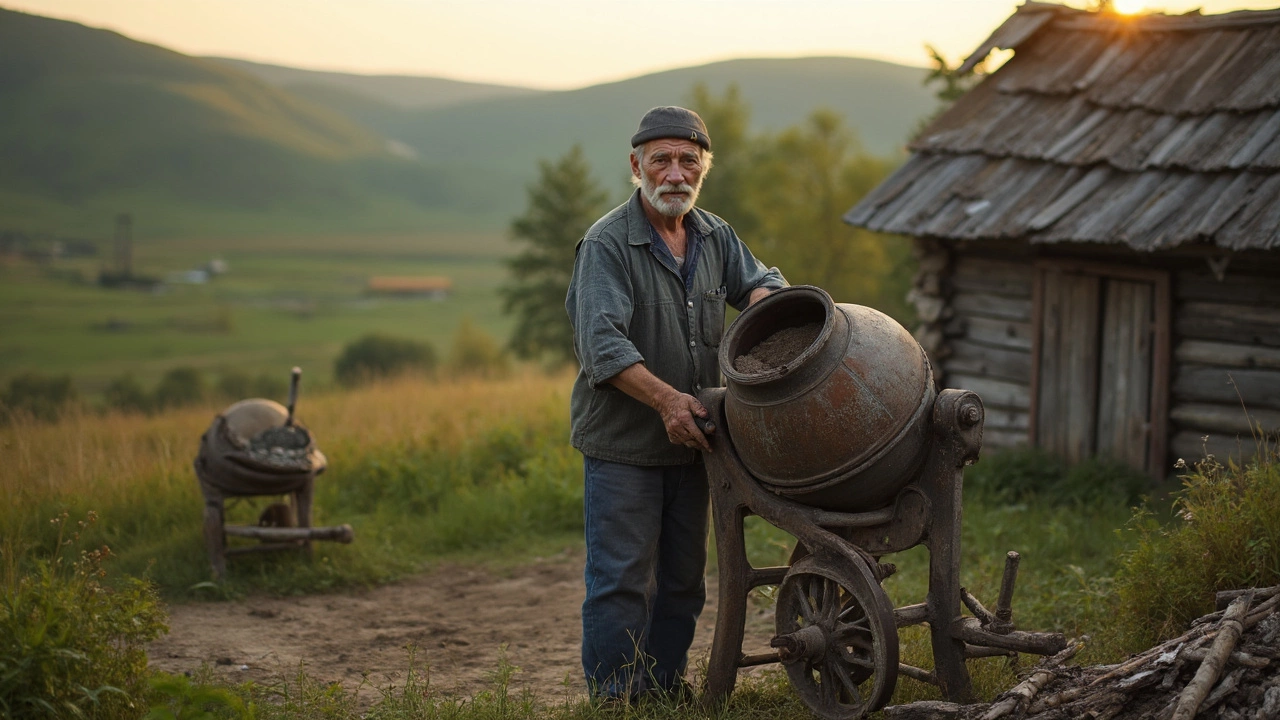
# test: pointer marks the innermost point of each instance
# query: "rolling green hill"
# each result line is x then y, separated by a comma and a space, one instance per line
406, 91
95, 122
505, 136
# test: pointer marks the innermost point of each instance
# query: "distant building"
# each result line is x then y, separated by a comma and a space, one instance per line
434, 287
1098, 228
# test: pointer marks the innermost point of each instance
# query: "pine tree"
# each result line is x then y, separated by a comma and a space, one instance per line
563, 204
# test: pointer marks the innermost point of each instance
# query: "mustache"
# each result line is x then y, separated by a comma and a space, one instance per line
669, 188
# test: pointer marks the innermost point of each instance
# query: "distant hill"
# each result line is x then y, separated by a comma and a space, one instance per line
405, 91
90, 115
505, 136
94, 123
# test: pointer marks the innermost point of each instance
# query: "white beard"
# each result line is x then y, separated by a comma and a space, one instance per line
670, 207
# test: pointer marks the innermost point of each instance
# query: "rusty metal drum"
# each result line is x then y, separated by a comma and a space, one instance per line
842, 425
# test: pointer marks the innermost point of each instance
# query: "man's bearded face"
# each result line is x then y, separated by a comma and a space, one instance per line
671, 175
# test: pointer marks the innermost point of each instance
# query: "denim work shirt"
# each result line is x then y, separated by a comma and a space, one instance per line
629, 303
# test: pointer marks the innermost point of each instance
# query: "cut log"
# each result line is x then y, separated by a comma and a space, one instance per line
1190, 446
985, 305
1194, 694
1008, 334
993, 276
1255, 388
1226, 354
1021, 695
971, 358
994, 393
1237, 288
1212, 418
1245, 324
1224, 597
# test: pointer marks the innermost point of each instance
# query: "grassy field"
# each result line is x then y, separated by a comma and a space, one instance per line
285, 301
480, 472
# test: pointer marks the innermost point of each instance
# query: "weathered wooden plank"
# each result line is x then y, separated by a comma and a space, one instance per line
1124, 395
970, 358
1002, 439
1192, 446
979, 275
1006, 419
994, 393
992, 306
1007, 334
1238, 286
1232, 355
1067, 413
1241, 324
1254, 387
1212, 418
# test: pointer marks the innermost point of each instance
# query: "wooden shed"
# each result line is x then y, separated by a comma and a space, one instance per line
1098, 230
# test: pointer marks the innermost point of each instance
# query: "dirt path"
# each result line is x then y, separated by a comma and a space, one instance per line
458, 618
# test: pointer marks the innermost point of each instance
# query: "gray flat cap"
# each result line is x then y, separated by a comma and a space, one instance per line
671, 122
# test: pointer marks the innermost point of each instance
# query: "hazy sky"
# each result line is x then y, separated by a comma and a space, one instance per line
555, 43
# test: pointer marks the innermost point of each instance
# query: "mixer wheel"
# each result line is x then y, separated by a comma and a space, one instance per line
837, 637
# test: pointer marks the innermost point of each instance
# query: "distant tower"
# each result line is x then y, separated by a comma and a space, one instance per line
124, 245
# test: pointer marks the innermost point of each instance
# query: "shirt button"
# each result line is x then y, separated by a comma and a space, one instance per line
690, 303
698, 387
692, 343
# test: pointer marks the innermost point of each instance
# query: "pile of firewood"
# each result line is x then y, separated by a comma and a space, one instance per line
1226, 666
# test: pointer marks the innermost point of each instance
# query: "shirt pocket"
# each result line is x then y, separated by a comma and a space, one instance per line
712, 316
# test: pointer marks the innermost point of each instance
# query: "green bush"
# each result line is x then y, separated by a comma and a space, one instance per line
238, 385
1226, 535
70, 646
377, 355
476, 353
178, 387
43, 397
125, 393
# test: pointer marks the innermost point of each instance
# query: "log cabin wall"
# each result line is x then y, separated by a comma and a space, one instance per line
976, 305
1226, 356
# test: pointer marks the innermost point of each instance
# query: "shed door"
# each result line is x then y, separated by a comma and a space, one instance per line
1096, 366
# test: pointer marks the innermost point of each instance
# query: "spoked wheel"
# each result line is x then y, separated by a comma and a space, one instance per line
837, 638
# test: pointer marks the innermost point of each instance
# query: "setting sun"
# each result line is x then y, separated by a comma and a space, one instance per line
1130, 7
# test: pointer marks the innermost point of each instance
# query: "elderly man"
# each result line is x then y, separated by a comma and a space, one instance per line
650, 283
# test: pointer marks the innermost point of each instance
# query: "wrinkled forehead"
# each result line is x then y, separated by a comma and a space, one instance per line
673, 147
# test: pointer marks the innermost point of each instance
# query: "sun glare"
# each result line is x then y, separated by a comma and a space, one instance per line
1130, 7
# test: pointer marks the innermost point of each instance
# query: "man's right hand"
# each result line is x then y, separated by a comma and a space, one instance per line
676, 408
678, 411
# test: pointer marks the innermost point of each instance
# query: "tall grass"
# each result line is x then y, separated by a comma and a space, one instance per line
1226, 535
417, 468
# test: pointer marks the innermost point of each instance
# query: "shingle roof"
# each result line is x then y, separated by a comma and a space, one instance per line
1152, 131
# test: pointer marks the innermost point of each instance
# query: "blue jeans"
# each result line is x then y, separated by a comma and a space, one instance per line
646, 531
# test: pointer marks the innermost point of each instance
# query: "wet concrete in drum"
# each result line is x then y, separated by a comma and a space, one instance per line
778, 349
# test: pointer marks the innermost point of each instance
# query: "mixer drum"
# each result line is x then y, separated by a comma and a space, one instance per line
842, 426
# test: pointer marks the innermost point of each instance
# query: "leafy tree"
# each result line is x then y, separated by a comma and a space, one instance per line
563, 204
180, 386
807, 178
126, 393
476, 353
377, 355
724, 193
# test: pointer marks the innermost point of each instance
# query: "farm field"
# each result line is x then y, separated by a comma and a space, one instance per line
283, 302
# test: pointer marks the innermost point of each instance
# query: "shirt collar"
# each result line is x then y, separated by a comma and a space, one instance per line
639, 227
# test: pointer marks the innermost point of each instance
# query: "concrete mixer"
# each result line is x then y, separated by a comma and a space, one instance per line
844, 443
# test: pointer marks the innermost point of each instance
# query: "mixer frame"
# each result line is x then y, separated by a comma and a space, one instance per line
836, 628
